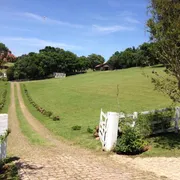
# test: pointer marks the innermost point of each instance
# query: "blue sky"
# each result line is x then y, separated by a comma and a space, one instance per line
81, 26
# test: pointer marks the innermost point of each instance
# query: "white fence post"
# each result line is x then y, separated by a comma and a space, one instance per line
135, 116
3, 129
177, 116
112, 130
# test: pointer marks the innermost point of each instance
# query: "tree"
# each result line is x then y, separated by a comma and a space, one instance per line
114, 60
46, 62
94, 60
3, 53
147, 53
82, 63
10, 73
164, 28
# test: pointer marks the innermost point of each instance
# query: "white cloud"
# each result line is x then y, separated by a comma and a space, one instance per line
111, 29
16, 28
47, 20
38, 42
131, 20
126, 14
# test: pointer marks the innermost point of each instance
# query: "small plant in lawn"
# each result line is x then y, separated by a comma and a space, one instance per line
56, 118
90, 130
96, 132
130, 142
76, 128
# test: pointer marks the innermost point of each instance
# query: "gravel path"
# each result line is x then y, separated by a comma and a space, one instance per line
61, 160
166, 167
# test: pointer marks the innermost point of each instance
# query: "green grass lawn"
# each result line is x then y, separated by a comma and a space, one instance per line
167, 144
3, 86
78, 99
9, 64
26, 128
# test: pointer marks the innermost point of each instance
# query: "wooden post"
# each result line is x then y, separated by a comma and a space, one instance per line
177, 116
112, 130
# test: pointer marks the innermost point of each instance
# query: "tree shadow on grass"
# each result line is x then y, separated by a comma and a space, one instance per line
167, 141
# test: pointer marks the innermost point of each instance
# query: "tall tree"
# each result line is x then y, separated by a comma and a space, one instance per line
164, 27
94, 60
3, 53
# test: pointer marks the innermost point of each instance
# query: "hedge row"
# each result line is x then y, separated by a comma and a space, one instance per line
40, 109
3, 99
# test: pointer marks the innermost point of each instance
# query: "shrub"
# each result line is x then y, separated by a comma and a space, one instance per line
130, 142
146, 123
48, 113
90, 130
75, 128
56, 118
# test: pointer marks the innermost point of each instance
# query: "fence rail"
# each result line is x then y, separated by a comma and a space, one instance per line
108, 125
174, 119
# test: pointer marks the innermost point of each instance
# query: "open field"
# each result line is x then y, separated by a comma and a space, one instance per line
78, 100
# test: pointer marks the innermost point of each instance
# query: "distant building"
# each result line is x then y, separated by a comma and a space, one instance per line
103, 67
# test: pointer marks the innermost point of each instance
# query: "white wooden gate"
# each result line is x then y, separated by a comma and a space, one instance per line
108, 125
103, 128
108, 129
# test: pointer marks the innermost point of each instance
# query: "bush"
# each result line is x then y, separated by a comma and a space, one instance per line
90, 130
130, 142
146, 125
75, 128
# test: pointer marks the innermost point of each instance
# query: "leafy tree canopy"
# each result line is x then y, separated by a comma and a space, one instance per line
164, 27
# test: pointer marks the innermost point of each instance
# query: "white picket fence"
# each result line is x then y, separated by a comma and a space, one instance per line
3, 129
59, 75
108, 126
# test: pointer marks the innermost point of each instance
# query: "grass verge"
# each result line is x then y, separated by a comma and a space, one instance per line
26, 128
2, 87
163, 145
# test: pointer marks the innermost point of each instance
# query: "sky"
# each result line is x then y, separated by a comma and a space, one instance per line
81, 26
